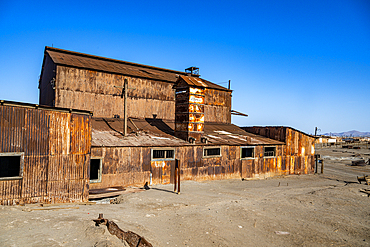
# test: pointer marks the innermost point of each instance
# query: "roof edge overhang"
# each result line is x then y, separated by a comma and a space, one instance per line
111, 60
211, 85
285, 127
43, 107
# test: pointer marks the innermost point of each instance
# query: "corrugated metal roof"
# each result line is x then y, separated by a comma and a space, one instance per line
43, 107
276, 127
157, 132
86, 61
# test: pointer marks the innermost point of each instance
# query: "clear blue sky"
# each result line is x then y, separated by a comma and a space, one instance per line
293, 63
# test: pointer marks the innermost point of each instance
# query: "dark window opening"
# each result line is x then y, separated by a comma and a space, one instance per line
169, 154
163, 154
212, 152
270, 151
247, 152
95, 171
10, 166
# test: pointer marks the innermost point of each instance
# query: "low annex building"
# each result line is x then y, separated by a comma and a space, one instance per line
44, 154
146, 118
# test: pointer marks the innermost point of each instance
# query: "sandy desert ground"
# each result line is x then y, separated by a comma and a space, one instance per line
307, 210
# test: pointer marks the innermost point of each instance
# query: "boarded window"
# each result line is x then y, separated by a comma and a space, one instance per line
163, 154
247, 152
95, 170
211, 152
11, 165
269, 151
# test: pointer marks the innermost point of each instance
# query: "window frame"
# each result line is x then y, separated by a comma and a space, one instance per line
264, 151
21, 165
162, 149
248, 158
212, 156
100, 172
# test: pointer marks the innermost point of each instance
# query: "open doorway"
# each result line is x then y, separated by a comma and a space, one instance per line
95, 170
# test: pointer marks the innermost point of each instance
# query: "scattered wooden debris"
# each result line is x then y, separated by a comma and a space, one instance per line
111, 192
358, 163
133, 239
366, 191
65, 204
364, 178
107, 192
47, 208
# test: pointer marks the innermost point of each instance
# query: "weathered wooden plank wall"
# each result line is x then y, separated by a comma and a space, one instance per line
56, 147
101, 92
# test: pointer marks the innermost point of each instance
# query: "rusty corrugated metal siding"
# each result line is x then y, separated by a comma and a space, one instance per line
56, 147
158, 132
113, 66
101, 93
218, 106
93, 83
125, 166
122, 166
299, 150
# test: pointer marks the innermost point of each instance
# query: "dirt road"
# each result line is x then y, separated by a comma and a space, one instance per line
306, 210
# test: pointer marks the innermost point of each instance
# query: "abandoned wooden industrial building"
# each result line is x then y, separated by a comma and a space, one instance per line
146, 117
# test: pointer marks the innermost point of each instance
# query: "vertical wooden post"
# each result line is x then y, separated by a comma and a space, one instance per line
322, 166
125, 107
178, 177
175, 177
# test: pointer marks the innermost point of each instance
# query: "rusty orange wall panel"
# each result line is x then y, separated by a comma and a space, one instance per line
125, 166
218, 106
56, 148
299, 147
122, 166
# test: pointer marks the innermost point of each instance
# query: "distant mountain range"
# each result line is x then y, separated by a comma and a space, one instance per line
352, 133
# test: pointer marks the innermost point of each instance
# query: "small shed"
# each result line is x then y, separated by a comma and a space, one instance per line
44, 154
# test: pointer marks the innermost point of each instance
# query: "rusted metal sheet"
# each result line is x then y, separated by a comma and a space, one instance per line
299, 147
194, 166
218, 106
124, 166
55, 144
99, 92
90, 62
82, 81
158, 132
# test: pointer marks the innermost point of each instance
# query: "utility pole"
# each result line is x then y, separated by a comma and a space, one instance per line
125, 110
124, 96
